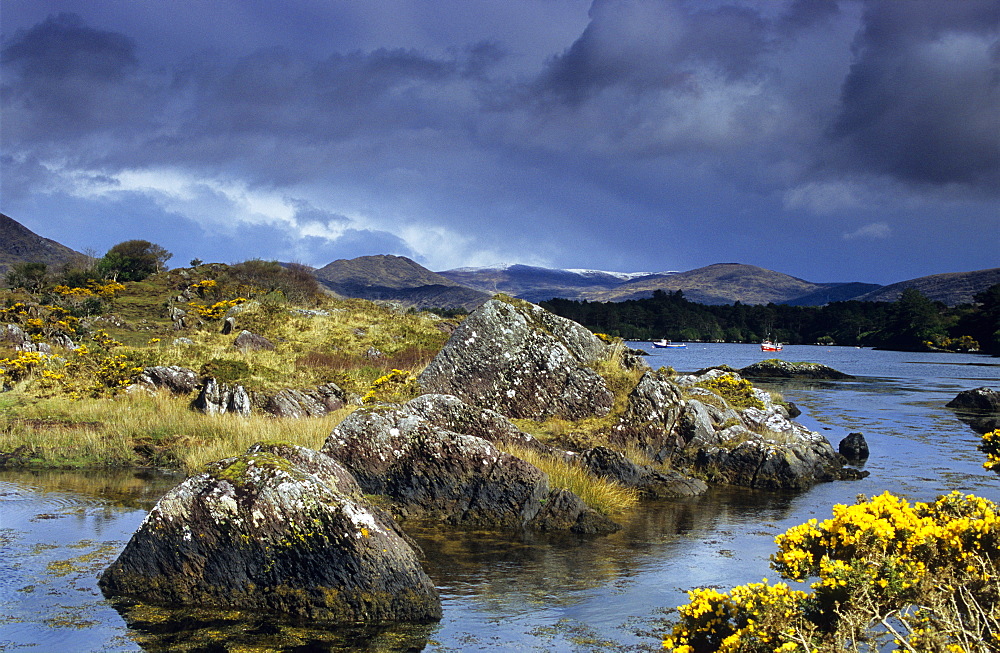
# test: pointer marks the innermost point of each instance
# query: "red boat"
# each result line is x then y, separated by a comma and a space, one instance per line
767, 345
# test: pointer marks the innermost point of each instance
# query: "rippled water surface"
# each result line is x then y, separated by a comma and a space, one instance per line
513, 592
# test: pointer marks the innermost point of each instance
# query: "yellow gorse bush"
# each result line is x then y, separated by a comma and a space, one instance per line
751, 617
93, 289
20, 366
738, 392
990, 445
931, 567
40, 321
217, 310
397, 385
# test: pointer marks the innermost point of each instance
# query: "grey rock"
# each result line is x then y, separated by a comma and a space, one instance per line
176, 379
980, 399
252, 342
217, 398
651, 418
521, 361
278, 529
452, 414
307, 403
461, 479
16, 338
613, 465
228, 326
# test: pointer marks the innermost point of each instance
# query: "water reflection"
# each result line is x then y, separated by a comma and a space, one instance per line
162, 630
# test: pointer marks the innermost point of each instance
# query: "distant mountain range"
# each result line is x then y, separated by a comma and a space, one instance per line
397, 278
722, 283
18, 244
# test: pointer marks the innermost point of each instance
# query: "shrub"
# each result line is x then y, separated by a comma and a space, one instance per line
923, 576
737, 392
991, 447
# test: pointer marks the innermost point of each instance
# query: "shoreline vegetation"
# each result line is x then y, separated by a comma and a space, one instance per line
912, 323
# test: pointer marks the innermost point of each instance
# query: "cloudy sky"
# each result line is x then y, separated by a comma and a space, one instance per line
831, 140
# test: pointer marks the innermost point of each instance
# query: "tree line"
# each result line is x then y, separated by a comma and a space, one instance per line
913, 322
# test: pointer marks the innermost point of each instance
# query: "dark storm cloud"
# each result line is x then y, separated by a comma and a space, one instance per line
64, 79
650, 45
922, 100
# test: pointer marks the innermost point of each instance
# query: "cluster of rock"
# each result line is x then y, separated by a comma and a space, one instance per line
14, 337
287, 529
216, 397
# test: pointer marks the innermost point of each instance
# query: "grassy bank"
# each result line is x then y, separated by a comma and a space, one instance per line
139, 430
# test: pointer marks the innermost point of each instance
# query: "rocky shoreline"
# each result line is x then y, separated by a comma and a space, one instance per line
290, 530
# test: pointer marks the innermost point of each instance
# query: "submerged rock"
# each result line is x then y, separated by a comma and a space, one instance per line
521, 361
281, 529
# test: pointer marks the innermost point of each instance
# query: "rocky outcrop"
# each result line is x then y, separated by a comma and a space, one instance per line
216, 397
278, 529
316, 402
757, 462
521, 361
462, 479
777, 368
13, 336
759, 446
613, 465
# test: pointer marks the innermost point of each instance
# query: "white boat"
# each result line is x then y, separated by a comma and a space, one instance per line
767, 345
666, 344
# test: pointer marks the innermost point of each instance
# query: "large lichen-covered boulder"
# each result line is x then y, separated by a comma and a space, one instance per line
521, 361
428, 471
651, 417
280, 529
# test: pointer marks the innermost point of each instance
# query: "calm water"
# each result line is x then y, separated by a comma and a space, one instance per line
513, 593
